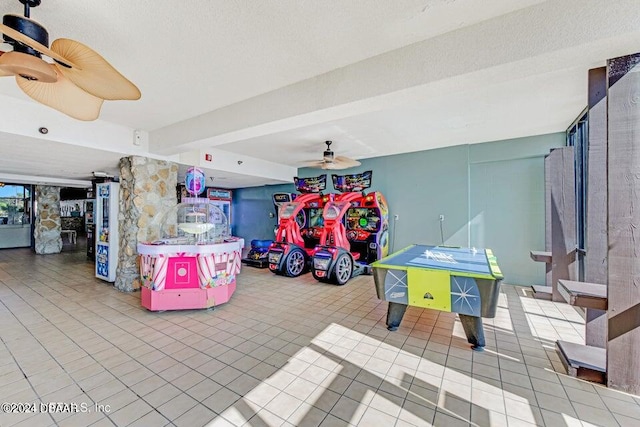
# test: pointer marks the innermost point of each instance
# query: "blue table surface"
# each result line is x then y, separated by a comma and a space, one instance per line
464, 260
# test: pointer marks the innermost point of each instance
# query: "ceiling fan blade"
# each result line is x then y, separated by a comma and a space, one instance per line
329, 166
346, 162
4, 73
28, 41
95, 75
317, 164
28, 66
63, 96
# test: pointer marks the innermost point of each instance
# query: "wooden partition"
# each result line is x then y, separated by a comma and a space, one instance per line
595, 260
563, 217
588, 361
623, 335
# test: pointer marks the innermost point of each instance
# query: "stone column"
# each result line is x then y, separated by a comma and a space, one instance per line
47, 227
147, 188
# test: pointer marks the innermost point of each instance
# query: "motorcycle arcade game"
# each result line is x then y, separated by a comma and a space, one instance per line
355, 233
299, 228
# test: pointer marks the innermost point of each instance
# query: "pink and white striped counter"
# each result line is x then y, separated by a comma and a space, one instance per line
182, 277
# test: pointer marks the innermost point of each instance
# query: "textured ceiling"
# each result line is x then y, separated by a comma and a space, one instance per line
271, 80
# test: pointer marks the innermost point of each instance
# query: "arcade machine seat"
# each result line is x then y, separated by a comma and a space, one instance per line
258, 255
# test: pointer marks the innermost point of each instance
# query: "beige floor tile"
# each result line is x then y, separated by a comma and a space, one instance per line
130, 413
449, 420
151, 419
162, 395
283, 405
374, 418
348, 410
221, 400
148, 385
197, 416
266, 419
594, 416
177, 406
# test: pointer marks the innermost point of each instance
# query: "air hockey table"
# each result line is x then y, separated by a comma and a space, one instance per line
458, 280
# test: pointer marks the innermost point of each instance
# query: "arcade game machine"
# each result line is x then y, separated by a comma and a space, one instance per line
189, 260
222, 199
280, 199
299, 228
355, 233
258, 255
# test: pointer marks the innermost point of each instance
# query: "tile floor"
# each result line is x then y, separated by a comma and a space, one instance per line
290, 352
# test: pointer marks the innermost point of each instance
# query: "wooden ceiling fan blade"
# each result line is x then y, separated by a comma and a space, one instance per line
94, 75
347, 162
63, 96
2, 72
316, 164
28, 41
28, 66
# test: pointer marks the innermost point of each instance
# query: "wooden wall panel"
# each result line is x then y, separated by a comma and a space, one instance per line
563, 217
623, 347
595, 260
548, 278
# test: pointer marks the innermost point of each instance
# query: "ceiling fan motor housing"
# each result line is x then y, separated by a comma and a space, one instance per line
29, 28
328, 153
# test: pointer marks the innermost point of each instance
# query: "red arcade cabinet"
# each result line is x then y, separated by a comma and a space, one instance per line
299, 228
355, 233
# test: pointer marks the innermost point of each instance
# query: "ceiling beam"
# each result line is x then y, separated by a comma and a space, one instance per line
44, 180
540, 39
240, 164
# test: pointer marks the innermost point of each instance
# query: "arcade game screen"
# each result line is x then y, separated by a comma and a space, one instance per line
315, 217
366, 219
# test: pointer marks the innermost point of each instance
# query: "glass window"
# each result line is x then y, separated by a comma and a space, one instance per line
15, 204
577, 137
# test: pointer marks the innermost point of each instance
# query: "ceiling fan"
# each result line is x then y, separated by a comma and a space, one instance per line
77, 81
332, 162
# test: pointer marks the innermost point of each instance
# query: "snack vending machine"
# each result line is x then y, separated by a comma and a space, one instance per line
106, 230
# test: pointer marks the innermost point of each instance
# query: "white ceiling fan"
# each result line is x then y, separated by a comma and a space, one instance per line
331, 161
77, 81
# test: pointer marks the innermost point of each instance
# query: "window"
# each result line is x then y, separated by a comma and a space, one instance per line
15, 204
578, 137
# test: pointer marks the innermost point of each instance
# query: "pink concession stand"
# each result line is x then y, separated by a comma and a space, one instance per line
194, 263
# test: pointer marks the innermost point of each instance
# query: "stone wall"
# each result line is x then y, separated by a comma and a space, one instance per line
47, 226
147, 188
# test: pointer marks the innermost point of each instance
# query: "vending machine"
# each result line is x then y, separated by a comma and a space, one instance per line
106, 230
222, 199
90, 227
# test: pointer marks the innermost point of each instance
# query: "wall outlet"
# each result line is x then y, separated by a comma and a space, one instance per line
441, 217
396, 217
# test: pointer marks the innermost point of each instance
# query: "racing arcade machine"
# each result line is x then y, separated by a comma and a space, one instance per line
355, 233
299, 228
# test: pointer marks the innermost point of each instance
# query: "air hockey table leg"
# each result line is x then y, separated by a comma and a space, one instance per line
474, 331
395, 312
